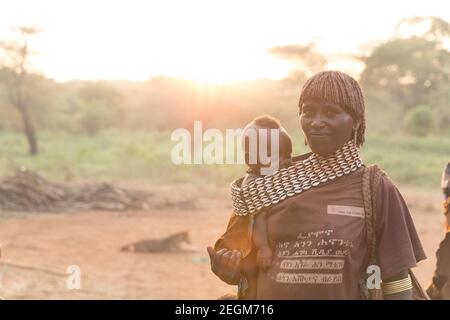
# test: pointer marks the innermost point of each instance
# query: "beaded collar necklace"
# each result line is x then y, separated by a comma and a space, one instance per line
315, 170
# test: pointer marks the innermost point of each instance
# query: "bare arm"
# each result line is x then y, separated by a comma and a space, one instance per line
260, 237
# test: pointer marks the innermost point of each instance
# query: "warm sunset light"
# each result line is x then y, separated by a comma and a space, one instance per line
199, 151
208, 41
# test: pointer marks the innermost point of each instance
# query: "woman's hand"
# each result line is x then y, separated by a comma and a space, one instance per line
225, 264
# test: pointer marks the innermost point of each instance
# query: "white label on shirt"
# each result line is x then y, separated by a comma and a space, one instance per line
317, 278
319, 264
350, 211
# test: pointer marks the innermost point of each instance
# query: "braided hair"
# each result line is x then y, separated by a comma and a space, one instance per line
338, 88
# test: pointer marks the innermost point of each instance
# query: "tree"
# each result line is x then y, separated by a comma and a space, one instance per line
305, 58
411, 68
419, 121
437, 29
16, 60
97, 106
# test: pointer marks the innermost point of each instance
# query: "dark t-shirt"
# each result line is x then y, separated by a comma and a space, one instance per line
319, 241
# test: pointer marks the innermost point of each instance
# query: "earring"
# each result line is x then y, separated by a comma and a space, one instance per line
306, 142
355, 133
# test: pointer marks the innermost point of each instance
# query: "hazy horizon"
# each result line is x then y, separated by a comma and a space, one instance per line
207, 41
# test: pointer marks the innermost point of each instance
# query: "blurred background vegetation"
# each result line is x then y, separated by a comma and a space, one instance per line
121, 129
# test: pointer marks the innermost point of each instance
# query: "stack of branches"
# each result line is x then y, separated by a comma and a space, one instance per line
107, 196
29, 191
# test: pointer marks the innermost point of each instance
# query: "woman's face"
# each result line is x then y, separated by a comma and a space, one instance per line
327, 127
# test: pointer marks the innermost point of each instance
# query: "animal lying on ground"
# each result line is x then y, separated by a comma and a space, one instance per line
172, 243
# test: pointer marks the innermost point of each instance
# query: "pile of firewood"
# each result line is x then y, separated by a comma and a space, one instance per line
107, 196
29, 191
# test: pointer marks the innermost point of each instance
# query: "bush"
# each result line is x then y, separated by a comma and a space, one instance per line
419, 121
442, 120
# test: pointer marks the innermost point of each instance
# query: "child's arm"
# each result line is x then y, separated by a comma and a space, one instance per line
260, 238
261, 241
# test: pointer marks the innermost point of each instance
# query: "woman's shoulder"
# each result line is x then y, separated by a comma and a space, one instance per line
384, 189
378, 177
381, 186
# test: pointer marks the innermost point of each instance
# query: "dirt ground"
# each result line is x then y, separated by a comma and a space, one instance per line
38, 249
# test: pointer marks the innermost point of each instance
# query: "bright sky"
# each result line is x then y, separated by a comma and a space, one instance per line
205, 40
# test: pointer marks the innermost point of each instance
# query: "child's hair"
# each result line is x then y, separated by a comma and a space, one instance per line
268, 122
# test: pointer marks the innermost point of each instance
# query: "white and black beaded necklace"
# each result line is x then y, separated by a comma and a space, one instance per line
269, 190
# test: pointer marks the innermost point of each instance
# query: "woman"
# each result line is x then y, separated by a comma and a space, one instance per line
439, 288
318, 230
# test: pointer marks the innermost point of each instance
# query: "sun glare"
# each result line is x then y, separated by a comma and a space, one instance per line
206, 41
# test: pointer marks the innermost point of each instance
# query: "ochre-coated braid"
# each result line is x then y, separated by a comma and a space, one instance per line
338, 88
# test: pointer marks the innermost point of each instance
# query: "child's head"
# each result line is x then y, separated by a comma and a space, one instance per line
267, 145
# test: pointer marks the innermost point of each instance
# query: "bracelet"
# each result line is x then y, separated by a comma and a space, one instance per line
394, 287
